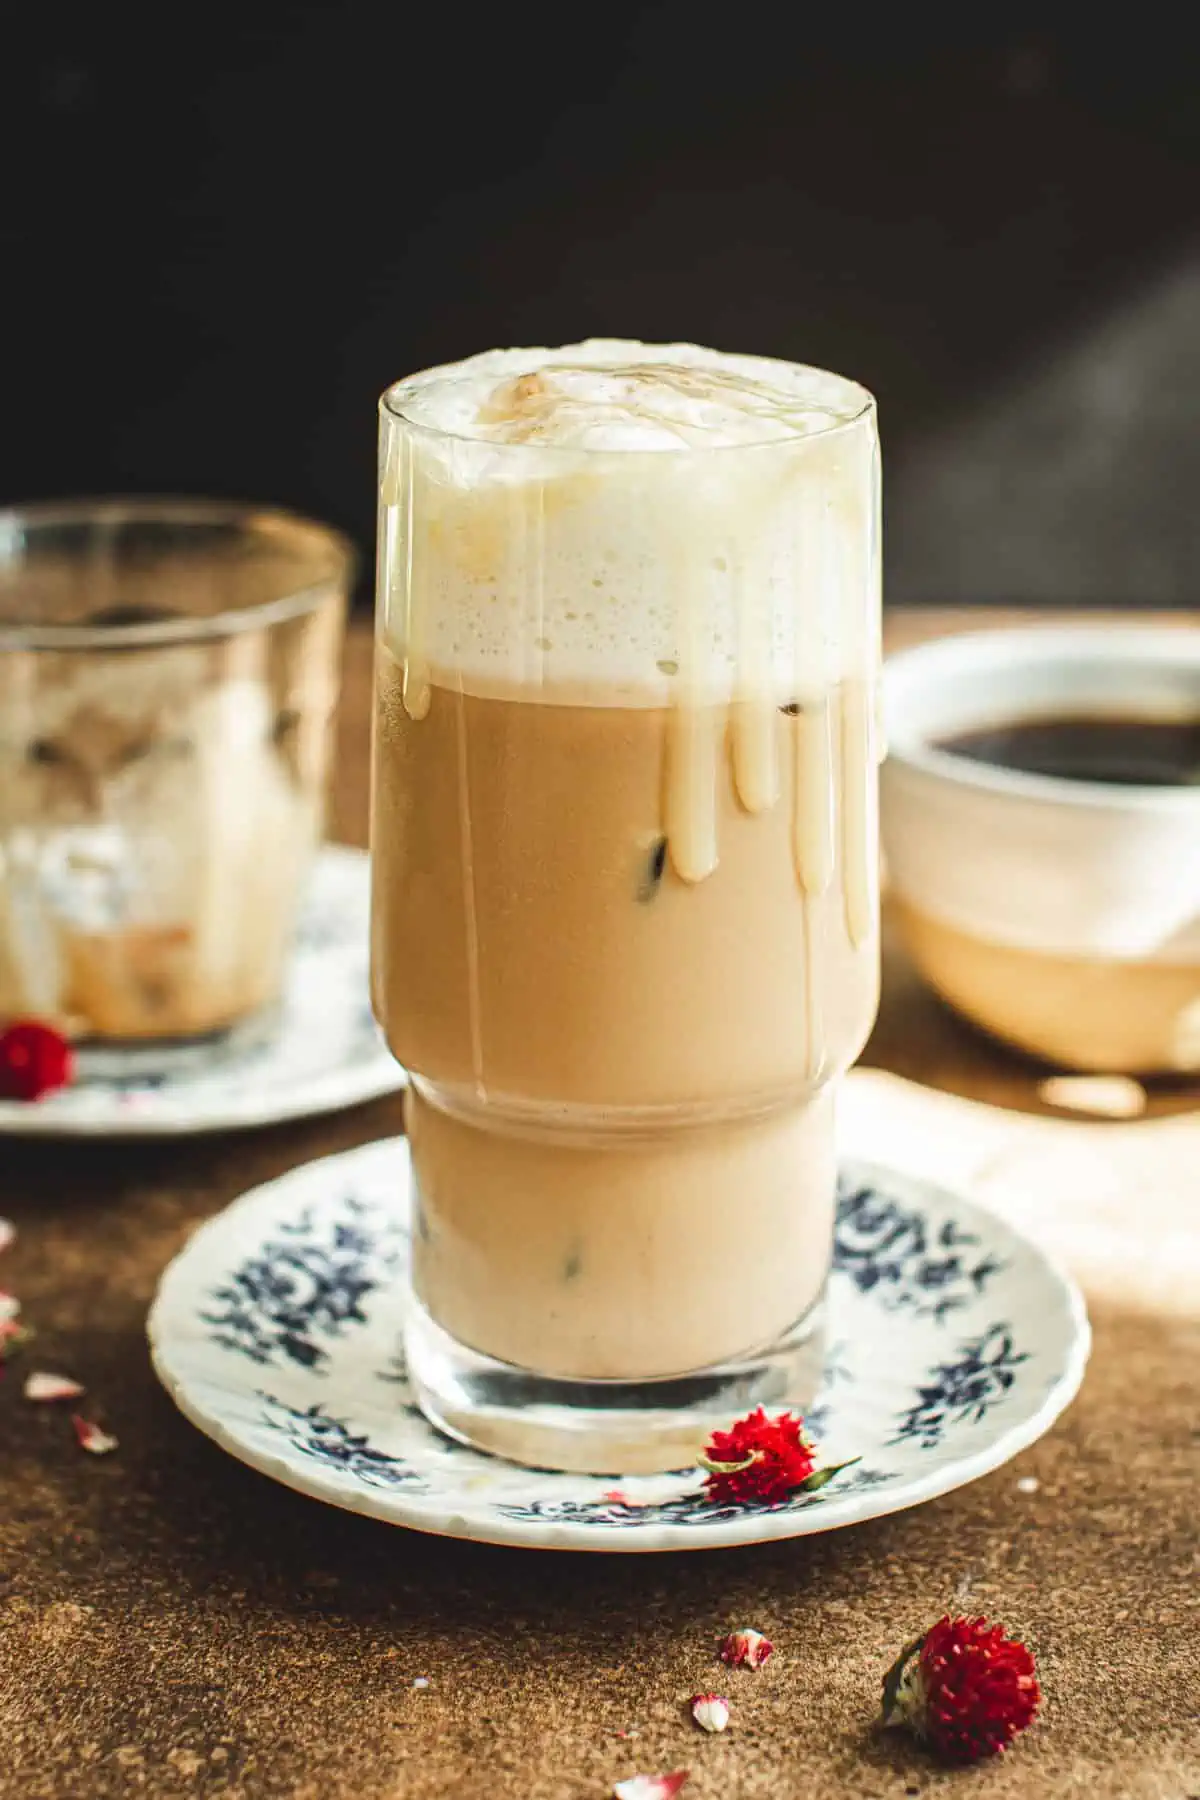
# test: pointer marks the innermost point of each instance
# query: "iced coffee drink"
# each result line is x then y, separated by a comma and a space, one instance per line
167, 682
624, 862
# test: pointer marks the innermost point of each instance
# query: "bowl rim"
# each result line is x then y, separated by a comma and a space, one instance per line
908, 673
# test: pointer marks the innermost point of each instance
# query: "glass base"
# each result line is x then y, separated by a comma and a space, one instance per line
144, 1059
602, 1427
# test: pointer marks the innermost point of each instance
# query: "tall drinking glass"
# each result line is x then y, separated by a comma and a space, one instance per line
625, 892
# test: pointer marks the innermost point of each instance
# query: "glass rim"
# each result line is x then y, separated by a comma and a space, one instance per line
334, 557
447, 375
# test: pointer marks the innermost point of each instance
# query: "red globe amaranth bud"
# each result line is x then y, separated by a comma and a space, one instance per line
964, 1688
763, 1459
758, 1459
34, 1060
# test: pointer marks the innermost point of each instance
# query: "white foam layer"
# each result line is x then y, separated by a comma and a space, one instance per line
621, 394
538, 534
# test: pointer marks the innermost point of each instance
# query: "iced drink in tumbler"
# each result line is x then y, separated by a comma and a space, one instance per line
625, 890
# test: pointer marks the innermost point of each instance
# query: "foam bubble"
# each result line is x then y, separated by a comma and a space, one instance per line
552, 522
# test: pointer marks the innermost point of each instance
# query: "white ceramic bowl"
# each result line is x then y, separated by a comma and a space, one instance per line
1061, 915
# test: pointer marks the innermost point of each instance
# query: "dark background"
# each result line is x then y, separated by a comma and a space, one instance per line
223, 233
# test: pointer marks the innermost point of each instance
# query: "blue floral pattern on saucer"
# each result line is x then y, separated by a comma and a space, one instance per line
953, 1342
324, 1052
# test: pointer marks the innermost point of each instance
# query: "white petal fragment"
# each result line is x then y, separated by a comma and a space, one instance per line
651, 1787
40, 1384
91, 1438
710, 1711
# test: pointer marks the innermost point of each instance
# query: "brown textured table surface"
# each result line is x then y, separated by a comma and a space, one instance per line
172, 1623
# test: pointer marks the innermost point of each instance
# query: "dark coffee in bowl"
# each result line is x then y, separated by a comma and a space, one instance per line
1116, 749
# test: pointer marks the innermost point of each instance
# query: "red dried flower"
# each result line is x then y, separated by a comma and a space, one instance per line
763, 1459
745, 1649
964, 1688
34, 1060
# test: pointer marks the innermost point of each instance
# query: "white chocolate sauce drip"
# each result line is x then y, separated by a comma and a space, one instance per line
406, 589
416, 659
695, 737
467, 851
814, 1036
755, 731
813, 799
813, 852
755, 718
859, 853
532, 538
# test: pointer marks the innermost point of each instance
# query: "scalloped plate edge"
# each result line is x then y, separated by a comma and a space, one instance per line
435, 1520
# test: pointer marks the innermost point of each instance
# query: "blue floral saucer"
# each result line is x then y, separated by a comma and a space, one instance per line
325, 1050
953, 1343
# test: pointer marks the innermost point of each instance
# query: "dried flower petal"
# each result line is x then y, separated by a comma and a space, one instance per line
41, 1385
745, 1649
710, 1711
651, 1787
965, 1689
91, 1438
34, 1060
8, 1232
10, 1306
